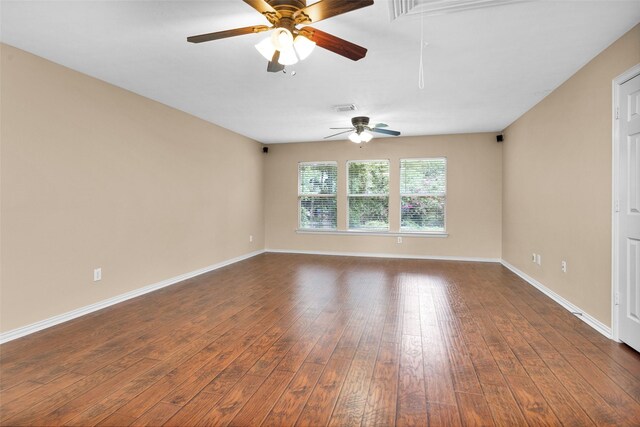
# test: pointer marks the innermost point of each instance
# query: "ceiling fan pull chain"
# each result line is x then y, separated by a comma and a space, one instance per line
421, 66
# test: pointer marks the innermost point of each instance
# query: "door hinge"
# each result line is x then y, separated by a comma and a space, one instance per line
617, 113
616, 206
617, 298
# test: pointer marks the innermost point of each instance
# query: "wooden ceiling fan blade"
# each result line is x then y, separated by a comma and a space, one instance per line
264, 8
386, 131
334, 44
342, 128
328, 8
274, 66
227, 33
339, 133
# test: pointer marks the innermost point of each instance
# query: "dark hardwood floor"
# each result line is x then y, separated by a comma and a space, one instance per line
282, 339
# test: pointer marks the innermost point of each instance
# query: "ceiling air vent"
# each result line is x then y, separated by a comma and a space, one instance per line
438, 7
344, 108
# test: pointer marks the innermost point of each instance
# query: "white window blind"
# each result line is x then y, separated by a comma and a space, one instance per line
423, 194
368, 194
317, 195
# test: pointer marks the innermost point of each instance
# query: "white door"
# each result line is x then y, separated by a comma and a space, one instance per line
629, 213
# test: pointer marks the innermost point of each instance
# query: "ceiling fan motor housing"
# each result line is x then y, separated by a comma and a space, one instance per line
360, 123
360, 120
286, 9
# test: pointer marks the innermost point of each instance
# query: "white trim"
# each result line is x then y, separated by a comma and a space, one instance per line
383, 255
589, 320
615, 161
61, 318
371, 233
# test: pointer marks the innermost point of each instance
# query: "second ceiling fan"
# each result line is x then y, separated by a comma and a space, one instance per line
289, 43
361, 131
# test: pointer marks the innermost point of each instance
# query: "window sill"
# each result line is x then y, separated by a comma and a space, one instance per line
374, 233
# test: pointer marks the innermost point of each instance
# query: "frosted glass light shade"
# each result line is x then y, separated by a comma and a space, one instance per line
288, 56
266, 49
303, 47
281, 39
354, 137
364, 136
291, 50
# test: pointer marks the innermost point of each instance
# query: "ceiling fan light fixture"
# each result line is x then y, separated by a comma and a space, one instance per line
361, 132
285, 41
303, 46
266, 48
288, 56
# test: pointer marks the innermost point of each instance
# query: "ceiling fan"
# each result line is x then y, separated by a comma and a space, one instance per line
361, 131
288, 43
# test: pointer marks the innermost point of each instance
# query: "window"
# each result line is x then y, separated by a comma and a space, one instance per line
423, 192
317, 195
368, 194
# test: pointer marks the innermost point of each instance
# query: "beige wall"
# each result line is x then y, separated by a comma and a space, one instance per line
557, 183
95, 176
473, 195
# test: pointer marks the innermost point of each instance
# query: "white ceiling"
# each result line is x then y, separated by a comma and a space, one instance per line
483, 68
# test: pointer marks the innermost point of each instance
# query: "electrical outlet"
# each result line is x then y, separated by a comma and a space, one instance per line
250, 238
563, 266
533, 257
97, 274
538, 259
399, 239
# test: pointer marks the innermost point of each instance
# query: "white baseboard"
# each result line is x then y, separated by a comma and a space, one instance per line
585, 317
382, 255
61, 318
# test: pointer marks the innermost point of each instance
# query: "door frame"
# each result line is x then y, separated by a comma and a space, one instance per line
615, 229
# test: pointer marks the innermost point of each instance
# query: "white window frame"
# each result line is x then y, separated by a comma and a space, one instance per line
300, 196
401, 195
387, 195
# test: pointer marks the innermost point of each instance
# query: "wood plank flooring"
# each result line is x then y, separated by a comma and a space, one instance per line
283, 340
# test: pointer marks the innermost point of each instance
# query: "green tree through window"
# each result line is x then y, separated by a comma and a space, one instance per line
368, 194
317, 204
423, 189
